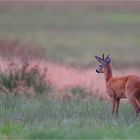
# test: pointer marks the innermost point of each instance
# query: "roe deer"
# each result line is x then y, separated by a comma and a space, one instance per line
119, 87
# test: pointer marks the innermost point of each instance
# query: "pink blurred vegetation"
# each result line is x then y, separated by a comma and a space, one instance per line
17, 64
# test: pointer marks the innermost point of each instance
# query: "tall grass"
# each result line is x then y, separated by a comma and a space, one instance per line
22, 117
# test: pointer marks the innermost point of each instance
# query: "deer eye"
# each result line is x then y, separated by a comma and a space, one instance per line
101, 66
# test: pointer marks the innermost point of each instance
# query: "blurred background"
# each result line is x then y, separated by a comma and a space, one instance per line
72, 32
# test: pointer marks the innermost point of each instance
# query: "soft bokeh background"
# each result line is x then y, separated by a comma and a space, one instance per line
73, 32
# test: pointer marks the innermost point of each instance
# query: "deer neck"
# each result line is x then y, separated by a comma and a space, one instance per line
108, 73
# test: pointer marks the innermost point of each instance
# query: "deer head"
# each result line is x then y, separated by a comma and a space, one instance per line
103, 63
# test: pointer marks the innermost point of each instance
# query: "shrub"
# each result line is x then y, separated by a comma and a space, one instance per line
23, 78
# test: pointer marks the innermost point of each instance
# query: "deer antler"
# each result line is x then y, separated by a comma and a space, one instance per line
107, 56
103, 56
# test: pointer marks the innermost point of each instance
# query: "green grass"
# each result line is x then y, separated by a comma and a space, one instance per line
75, 35
21, 117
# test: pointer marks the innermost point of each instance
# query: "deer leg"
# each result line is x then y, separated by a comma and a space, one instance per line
138, 104
117, 106
134, 102
113, 105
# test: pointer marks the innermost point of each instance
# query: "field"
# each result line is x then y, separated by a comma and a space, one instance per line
65, 39
22, 117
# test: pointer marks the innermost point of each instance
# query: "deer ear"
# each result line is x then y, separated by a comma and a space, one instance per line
108, 59
100, 60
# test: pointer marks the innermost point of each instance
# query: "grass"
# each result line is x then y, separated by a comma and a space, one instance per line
21, 117
75, 35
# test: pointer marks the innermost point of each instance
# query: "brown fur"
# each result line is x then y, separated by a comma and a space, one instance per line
122, 87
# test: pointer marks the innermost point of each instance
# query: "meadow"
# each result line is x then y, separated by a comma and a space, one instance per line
65, 40
22, 117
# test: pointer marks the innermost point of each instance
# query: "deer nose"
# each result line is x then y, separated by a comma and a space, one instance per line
97, 71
